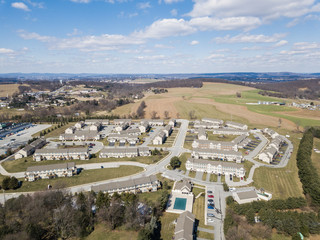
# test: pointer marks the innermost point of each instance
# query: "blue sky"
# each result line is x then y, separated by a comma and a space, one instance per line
159, 36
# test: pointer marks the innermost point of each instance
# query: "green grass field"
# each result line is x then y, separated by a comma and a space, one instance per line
86, 176
101, 232
198, 211
21, 165
167, 226
281, 182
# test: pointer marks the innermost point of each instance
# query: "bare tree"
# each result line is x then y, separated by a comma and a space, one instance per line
178, 115
238, 94
153, 114
280, 122
166, 114
192, 114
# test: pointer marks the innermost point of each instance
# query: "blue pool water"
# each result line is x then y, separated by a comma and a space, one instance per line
180, 204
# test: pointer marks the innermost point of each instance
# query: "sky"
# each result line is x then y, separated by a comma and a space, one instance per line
159, 36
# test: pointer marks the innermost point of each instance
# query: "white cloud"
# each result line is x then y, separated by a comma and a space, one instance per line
174, 12
172, 1
281, 43
246, 38
74, 32
152, 57
36, 36
194, 42
6, 51
162, 46
20, 5
215, 55
208, 23
144, 5
165, 28
266, 9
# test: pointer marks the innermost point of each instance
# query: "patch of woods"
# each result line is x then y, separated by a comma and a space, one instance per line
308, 174
257, 219
56, 214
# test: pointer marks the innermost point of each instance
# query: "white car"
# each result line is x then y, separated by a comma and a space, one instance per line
210, 220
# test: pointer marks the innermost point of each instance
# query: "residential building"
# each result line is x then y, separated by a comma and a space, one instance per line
202, 134
123, 138
205, 125
121, 127
121, 121
270, 132
160, 138
241, 141
229, 131
95, 127
50, 171
217, 154
70, 130
245, 197
143, 184
154, 122
79, 125
213, 121
236, 125
185, 227
183, 187
134, 132
227, 146
215, 167
61, 154
167, 130
268, 154
30, 148
124, 152
80, 135
172, 122
144, 127
103, 122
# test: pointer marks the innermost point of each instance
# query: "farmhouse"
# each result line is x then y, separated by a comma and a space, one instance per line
61, 154
215, 167
217, 154
124, 152
207, 144
236, 125
50, 171
30, 149
184, 229
230, 131
213, 121
143, 184
245, 197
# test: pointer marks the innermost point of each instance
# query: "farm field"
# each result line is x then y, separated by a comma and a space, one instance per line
8, 89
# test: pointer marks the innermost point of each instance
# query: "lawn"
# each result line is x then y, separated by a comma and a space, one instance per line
205, 235
167, 226
198, 211
316, 156
196, 190
101, 232
213, 178
87, 176
281, 182
192, 174
220, 138
21, 165
54, 132
183, 159
204, 176
247, 167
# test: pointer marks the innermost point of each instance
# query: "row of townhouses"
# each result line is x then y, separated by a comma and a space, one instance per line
270, 132
271, 151
143, 184
81, 135
61, 154
208, 144
30, 148
162, 135
236, 125
50, 171
206, 153
131, 139
124, 152
202, 134
230, 131
215, 167
185, 227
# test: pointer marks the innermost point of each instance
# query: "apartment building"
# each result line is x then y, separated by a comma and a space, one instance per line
227, 146
185, 227
30, 148
230, 131
236, 125
213, 121
61, 154
199, 153
124, 152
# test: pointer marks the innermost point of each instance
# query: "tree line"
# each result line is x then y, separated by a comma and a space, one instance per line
308, 174
56, 214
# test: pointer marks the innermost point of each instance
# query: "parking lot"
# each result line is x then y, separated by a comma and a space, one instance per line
20, 137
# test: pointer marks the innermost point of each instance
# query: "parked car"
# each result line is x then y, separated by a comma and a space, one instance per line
209, 191
210, 207
210, 196
210, 220
210, 215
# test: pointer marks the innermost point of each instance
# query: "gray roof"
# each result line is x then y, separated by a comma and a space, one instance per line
217, 151
120, 150
168, 127
227, 130
211, 120
216, 163
63, 150
124, 184
247, 195
208, 142
51, 167
143, 149
182, 184
86, 133
37, 142
239, 139
235, 123
128, 131
184, 228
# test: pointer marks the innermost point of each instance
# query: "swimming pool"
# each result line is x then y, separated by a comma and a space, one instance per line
180, 204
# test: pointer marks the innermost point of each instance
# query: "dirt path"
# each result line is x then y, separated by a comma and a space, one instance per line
242, 111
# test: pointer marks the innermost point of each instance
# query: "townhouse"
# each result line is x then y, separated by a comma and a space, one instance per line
121, 127
160, 138
124, 152
153, 122
185, 227
143, 184
81, 135
270, 132
215, 167
241, 141
50, 171
229, 131
227, 146
236, 125
167, 130
70, 130
144, 126
95, 127
61, 154
183, 187
132, 139
134, 131
103, 122
79, 125
272, 150
199, 153
202, 134
172, 122
213, 121
121, 121
30, 148
205, 125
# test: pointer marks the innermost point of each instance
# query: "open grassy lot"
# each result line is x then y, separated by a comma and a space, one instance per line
101, 232
247, 167
183, 159
213, 178
205, 235
87, 176
220, 138
281, 182
167, 226
204, 176
192, 174
198, 211
21, 165
316, 156
8, 89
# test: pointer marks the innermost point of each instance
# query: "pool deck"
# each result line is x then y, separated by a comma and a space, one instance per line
172, 199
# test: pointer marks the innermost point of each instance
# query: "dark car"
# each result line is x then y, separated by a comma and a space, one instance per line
209, 191
210, 214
